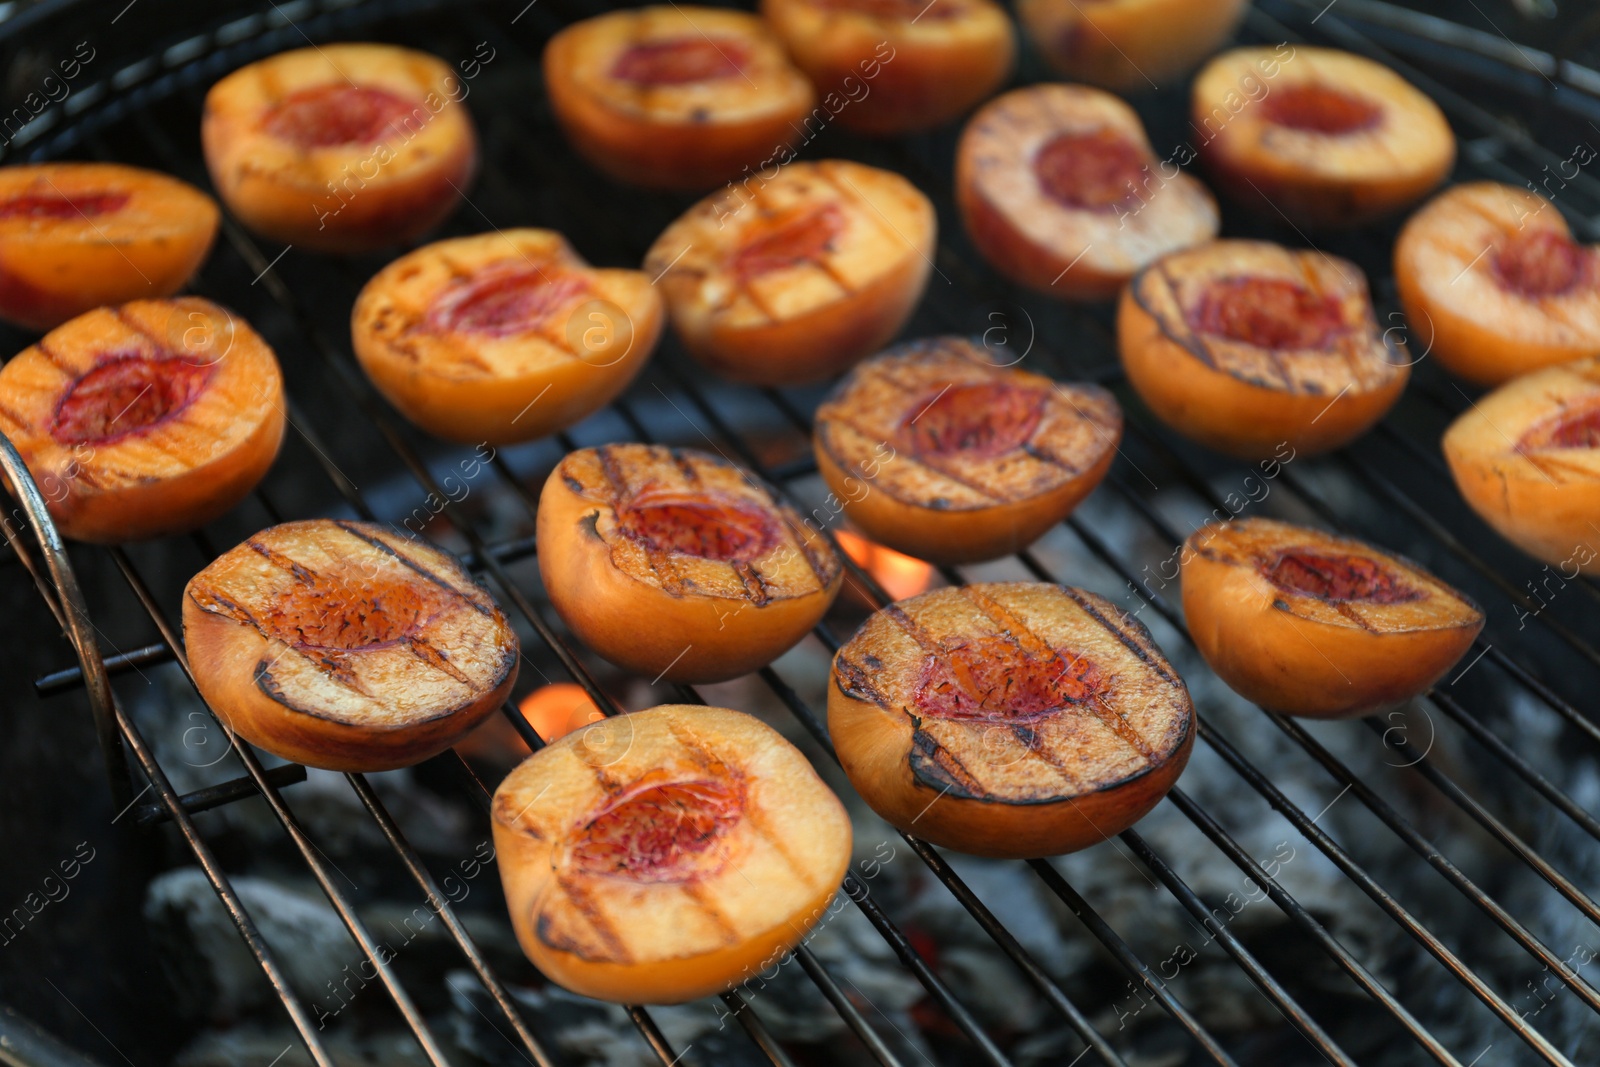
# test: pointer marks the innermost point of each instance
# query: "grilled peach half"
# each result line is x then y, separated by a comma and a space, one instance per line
1331, 139
1489, 274
895, 66
1059, 190
76, 236
1251, 348
1008, 719
346, 645
341, 147
1127, 45
679, 565
1303, 622
1527, 458
675, 97
146, 419
668, 854
797, 278
935, 451
503, 337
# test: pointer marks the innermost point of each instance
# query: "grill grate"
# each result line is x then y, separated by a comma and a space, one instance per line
1394, 473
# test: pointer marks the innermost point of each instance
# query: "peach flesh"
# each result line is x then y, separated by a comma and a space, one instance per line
333, 614
1269, 312
325, 116
892, 9
1575, 428
800, 240
660, 833
501, 303
996, 680
680, 61
1090, 171
1339, 578
52, 206
983, 420
716, 529
126, 394
1540, 263
1319, 109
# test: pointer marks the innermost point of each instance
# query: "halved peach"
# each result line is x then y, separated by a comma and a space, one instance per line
1009, 719
1490, 276
935, 451
794, 279
346, 645
675, 97
1060, 191
1329, 139
146, 419
1527, 458
668, 854
341, 147
679, 565
895, 66
1127, 45
1311, 624
75, 236
1251, 348
503, 337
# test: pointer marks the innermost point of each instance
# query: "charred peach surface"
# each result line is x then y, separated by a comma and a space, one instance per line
346, 646
935, 450
668, 854
76, 236
1059, 189
1327, 139
503, 337
1127, 45
727, 577
1254, 349
343, 147
675, 97
146, 419
1527, 458
894, 66
1491, 279
1307, 623
1013, 719
797, 278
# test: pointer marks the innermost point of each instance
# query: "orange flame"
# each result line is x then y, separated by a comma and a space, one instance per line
557, 709
900, 575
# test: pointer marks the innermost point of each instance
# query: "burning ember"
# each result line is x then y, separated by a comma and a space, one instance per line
900, 575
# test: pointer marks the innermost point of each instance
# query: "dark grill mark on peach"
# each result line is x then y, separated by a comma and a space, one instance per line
504, 302
61, 205
1091, 171
981, 420
1577, 427
1320, 109
1540, 263
1270, 312
337, 614
789, 242
325, 116
126, 394
710, 527
994, 679
681, 61
1339, 578
660, 833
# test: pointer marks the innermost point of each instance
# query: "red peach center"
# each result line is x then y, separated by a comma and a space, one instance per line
710, 527
681, 61
1329, 576
1577, 427
660, 833
994, 679
62, 205
325, 116
789, 242
1320, 109
980, 420
504, 302
1540, 263
1269, 312
1090, 171
126, 394
330, 612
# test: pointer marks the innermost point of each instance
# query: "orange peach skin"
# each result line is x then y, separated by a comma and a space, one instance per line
1127, 45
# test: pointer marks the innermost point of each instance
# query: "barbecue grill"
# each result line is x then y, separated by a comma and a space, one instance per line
1460, 828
